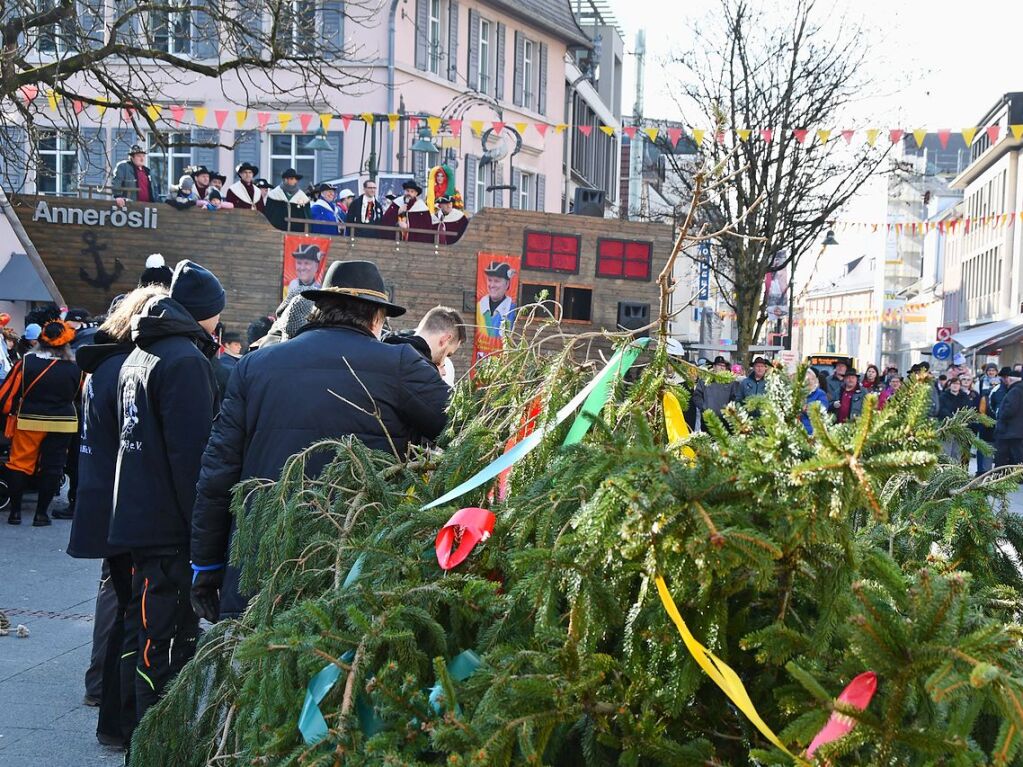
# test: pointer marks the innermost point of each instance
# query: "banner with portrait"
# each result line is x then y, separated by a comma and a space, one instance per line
497, 285
305, 262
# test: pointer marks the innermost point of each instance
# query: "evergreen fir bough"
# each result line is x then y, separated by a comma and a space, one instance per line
800, 561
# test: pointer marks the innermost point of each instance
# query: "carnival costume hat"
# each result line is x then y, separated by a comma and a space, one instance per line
56, 333
360, 280
499, 269
246, 166
308, 251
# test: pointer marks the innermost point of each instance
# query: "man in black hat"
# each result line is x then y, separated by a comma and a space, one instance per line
352, 384
366, 209
243, 193
496, 308
287, 201
324, 210
132, 180
715, 395
217, 181
755, 383
449, 222
849, 404
307, 259
419, 220
1009, 421
201, 176
166, 396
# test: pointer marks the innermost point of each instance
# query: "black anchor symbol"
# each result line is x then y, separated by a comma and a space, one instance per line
103, 279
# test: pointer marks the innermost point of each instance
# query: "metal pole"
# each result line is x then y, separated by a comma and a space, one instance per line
371, 163
569, 145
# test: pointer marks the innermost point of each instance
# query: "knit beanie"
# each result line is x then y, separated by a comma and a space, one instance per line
198, 290
156, 272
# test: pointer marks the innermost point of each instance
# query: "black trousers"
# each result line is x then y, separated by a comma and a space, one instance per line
167, 626
1008, 452
117, 700
105, 615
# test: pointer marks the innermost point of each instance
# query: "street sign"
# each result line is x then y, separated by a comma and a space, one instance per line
944, 335
941, 351
703, 249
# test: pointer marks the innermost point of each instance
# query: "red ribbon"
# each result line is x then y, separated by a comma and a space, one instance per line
467, 526
857, 694
528, 424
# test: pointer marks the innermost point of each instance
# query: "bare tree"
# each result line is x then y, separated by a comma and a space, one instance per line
125, 55
766, 83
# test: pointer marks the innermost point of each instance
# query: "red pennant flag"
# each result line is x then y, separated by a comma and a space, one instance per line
848, 136
413, 123
857, 694
78, 106
541, 128
456, 127
467, 527
263, 118
128, 114
943, 136
800, 134
304, 120
767, 134
220, 115
586, 130
992, 133
630, 131
29, 93
498, 127
346, 120
674, 135
178, 114
895, 135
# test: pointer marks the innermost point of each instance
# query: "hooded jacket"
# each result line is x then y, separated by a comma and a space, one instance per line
166, 396
256, 433
97, 459
1010, 414
278, 208
321, 210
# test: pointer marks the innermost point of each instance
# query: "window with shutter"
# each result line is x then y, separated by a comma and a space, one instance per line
485, 80
206, 150
541, 192
471, 167
499, 64
204, 22
541, 88
498, 180
422, 32
434, 36
551, 252
624, 259
452, 40
517, 183
332, 29
250, 24
528, 53
12, 164
517, 86
473, 64
92, 160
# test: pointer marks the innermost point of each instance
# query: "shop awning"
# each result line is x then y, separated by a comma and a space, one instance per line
19, 281
994, 335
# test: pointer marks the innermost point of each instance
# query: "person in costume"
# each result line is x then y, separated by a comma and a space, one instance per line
201, 176
497, 307
243, 193
38, 397
307, 265
325, 210
217, 181
418, 215
449, 222
366, 209
287, 201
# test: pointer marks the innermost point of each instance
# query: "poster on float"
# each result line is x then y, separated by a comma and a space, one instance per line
497, 285
305, 262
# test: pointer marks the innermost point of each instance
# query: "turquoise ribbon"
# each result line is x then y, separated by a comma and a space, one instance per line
594, 394
311, 723
460, 668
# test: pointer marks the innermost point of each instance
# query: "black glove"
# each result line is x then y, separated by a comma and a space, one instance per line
205, 596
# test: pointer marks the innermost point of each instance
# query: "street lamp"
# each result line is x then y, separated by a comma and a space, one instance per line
319, 143
424, 142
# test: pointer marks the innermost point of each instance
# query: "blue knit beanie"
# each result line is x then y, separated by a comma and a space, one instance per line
198, 290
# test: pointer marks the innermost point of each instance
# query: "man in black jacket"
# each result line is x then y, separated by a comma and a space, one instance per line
166, 396
366, 209
347, 374
1009, 426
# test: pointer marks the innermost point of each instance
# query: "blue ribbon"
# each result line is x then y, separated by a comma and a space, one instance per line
311, 723
460, 668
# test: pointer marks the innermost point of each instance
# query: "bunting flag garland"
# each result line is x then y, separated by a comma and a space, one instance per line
392, 121
177, 114
800, 134
823, 136
968, 134
102, 108
434, 123
325, 120
220, 115
28, 93
1017, 131
848, 136
153, 111
263, 118
896, 135
743, 134
586, 130
608, 130
51, 99
651, 133
240, 117
872, 134
78, 105
767, 134
675, 424
456, 128
303, 120
283, 119
674, 136
367, 118
698, 137
498, 127
346, 120
200, 115
476, 126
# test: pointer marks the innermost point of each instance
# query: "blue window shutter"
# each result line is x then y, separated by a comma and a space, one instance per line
328, 161
206, 41
332, 29
469, 192
499, 64
12, 164
498, 181
453, 40
246, 149
206, 155
516, 180
542, 89
541, 192
517, 84
422, 34
473, 78
92, 160
250, 16
90, 19
128, 32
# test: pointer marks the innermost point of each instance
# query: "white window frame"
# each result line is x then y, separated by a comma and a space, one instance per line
484, 178
299, 44
297, 153
527, 72
527, 191
433, 35
483, 65
64, 151
60, 46
174, 43
177, 149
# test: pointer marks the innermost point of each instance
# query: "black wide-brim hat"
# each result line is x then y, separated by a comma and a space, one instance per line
412, 185
500, 269
246, 166
360, 280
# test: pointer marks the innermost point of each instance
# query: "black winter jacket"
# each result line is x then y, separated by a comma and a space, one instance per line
261, 423
97, 458
167, 397
949, 404
750, 387
1010, 414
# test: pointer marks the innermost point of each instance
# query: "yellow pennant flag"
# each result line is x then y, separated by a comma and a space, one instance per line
368, 118
240, 117
698, 136
1017, 131
520, 128
476, 126
560, 127
284, 118
392, 121
102, 106
153, 110
823, 136
51, 98
743, 134
200, 115
720, 672
968, 134
920, 134
651, 133
325, 120
872, 134
608, 130
433, 123
675, 424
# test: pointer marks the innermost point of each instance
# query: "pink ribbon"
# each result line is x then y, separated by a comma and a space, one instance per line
856, 694
467, 526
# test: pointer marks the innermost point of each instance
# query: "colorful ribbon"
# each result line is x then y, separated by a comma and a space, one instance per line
594, 394
675, 424
470, 526
311, 723
857, 694
720, 673
460, 668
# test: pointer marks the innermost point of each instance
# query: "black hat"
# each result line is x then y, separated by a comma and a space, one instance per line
308, 251
719, 360
76, 315
391, 196
230, 338
246, 166
411, 184
851, 372
1006, 371
156, 272
760, 359
990, 365
444, 199
213, 194
291, 173
136, 149
261, 183
198, 290
499, 269
198, 170
926, 365
214, 176
359, 280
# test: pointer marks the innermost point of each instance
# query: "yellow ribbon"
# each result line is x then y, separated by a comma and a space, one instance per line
719, 672
676, 425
